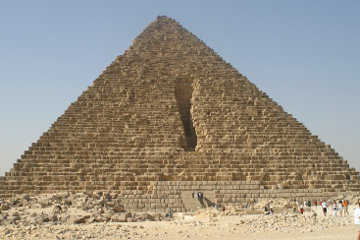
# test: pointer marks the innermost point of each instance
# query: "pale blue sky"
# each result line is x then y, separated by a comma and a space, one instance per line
304, 54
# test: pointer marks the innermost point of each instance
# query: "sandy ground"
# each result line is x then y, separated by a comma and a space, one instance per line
207, 224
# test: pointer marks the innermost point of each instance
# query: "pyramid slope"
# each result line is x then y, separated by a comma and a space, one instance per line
170, 109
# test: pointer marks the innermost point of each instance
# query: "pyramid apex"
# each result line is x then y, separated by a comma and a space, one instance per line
162, 28
163, 18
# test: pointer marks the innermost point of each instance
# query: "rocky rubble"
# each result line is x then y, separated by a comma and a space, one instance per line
68, 208
100, 215
203, 224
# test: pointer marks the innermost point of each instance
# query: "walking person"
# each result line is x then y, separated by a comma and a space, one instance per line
334, 206
340, 207
301, 209
357, 218
309, 204
324, 207
295, 206
346, 206
271, 210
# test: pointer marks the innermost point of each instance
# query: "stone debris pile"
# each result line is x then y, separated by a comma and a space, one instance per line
69, 208
211, 223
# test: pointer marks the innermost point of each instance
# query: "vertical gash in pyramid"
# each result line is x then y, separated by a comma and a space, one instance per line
168, 117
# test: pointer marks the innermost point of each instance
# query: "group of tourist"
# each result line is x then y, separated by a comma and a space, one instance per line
339, 207
268, 210
198, 195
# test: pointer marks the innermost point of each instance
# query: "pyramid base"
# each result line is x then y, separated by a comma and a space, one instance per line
180, 196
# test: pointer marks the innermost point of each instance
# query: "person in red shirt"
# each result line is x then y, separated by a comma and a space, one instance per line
301, 209
346, 206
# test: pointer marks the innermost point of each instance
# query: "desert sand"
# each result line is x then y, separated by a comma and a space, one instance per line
254, 227
21, 221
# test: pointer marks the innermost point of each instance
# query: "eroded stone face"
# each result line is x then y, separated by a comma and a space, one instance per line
171, 109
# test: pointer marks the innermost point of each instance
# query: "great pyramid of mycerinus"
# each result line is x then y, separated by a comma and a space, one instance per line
170, 113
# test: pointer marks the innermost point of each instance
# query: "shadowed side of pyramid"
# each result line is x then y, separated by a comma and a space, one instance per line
170, 114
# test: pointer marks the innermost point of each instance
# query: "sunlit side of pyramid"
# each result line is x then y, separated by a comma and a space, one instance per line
168, 117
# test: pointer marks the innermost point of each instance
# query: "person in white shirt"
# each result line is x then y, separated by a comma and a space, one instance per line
324, 207
357, 218
340, 207
334, 208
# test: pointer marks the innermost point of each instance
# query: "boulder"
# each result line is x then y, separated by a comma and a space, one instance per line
120, 217
149, 217
15, 216
131, 219
67, 202
79, 219
143, 216
55, 217
118, 208
44, 203
156, 216
45, 218
99, 218
4, 207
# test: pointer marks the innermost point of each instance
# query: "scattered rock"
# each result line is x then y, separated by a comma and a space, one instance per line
44, 203
80, 219
67, 202
4, 207
15, 216
57, 209
118, 208
121, 217
45, 218
27, 198
55, 218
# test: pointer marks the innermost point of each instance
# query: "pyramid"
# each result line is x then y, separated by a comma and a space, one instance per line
169, 117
